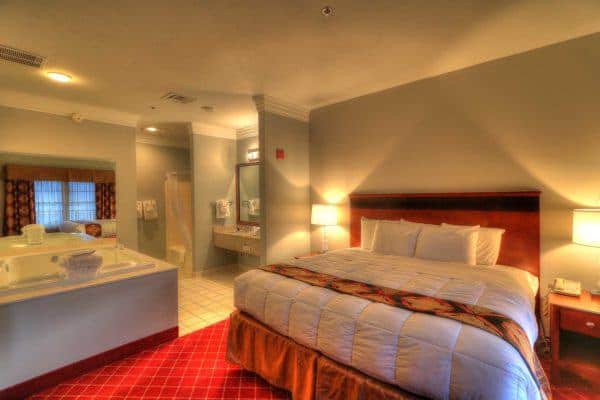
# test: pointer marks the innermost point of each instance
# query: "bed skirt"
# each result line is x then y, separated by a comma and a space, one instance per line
304, 372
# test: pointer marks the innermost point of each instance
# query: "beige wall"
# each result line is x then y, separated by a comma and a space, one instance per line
45, 134
153, 163
213, 171
529, 121
284, 188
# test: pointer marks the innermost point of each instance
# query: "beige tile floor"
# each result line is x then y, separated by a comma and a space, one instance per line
206, 298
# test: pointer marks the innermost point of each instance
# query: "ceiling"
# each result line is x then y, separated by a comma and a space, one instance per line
125, 54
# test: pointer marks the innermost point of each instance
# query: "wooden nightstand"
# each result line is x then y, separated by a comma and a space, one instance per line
580, 315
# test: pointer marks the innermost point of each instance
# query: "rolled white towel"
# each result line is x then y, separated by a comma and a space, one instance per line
82, 264
222, 208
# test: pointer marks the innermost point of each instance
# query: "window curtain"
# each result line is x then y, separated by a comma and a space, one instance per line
19, 207
105, 200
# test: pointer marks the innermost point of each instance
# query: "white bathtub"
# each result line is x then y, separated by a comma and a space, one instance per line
49, 322
17, 245
40, 271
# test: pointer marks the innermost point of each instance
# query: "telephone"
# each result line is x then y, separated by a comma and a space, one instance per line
567, 287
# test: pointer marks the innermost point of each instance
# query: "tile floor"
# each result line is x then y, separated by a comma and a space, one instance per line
206, 298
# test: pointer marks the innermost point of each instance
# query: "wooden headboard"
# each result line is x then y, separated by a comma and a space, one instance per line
517, 212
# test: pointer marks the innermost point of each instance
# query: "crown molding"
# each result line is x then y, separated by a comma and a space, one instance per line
164, 141
280, 107
246, 132
199, 128
64, 108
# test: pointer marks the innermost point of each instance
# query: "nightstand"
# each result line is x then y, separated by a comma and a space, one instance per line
579, 315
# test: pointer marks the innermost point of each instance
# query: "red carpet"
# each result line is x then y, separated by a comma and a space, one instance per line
194, 367
190, 367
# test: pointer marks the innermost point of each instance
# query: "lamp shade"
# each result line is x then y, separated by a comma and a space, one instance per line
586, 227
323, 214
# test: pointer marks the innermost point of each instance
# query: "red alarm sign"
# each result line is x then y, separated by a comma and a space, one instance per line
279, 154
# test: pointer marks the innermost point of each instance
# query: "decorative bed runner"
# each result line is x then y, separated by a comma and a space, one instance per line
479, 317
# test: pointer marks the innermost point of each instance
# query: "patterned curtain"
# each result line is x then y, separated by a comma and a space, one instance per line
19, 208
106, 201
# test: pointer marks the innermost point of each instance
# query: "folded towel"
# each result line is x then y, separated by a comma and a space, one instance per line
82, 264
254, 207
150, 210
223, 208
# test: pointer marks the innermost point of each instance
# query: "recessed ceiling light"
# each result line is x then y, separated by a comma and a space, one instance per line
59, 77
151, 128
327, 11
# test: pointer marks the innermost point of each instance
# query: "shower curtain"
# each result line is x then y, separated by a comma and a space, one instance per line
178, 199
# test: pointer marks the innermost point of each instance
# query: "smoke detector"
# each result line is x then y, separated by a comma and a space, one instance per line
178, 98
21, 57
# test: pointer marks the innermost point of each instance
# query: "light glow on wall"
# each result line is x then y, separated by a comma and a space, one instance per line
586, 227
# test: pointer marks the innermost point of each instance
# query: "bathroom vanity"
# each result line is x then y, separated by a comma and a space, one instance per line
241, 241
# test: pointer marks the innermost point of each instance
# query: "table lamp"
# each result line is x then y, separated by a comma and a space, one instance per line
324, 215
586, 231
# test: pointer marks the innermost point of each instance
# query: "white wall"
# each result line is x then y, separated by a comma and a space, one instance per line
45, 134
530, 121
284, 188
213, 177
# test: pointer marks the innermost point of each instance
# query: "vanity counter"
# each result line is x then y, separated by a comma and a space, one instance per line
228, 237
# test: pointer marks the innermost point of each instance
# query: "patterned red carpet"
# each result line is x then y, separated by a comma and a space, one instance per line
190, 367
194, 367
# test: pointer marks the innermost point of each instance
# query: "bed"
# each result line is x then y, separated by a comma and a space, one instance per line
320, 343
99, 228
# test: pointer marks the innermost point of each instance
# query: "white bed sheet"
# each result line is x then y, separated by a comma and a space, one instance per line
427, 355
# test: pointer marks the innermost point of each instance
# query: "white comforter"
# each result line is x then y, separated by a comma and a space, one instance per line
427, 355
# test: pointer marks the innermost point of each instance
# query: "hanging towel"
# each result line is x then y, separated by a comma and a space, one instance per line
223, 208
139, 209
150, 210
254, 207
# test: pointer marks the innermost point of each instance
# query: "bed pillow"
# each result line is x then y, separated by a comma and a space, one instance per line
367, 230
442, 244
394, 238
420, 225
488, 243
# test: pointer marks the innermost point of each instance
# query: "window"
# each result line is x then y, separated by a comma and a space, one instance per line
82, 201
56, 201
49, 203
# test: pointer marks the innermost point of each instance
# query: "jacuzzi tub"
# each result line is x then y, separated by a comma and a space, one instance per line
49, 322
39, 271
17, 245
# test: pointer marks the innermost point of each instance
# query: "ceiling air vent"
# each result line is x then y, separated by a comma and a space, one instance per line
21, 57
178, 98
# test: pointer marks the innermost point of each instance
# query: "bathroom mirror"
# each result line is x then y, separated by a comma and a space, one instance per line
247, 194
64, 196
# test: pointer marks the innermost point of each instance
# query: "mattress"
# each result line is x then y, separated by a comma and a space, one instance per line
427, 355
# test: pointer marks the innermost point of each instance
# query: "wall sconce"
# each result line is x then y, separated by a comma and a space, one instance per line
252, 155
